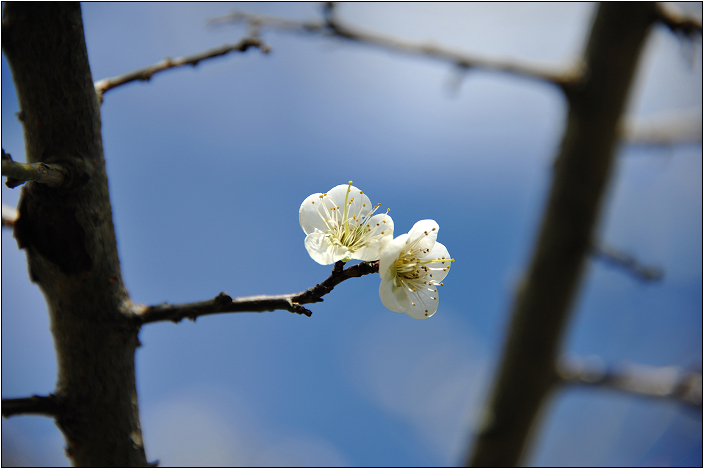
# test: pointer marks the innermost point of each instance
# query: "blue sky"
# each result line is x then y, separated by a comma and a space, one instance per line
207, 169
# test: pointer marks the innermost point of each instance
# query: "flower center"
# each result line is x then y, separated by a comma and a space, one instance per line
349, 227
411, 265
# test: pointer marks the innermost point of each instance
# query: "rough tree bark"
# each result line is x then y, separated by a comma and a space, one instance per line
69, 238
527, 372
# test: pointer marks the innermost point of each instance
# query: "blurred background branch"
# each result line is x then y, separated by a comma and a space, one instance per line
539, 316
678, 22
627, 262
332, 26
666, 382
671, 128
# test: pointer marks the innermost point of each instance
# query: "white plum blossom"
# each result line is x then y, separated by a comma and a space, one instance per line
340, 225
411, 267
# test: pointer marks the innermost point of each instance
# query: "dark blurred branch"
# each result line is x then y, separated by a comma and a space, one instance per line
629, 263
668, 382
37, 405
583, 167
145, 73
331, 26
677, 22
225, 304
9, 216
53, 175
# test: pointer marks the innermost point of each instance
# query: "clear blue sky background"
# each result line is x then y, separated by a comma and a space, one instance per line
208, 166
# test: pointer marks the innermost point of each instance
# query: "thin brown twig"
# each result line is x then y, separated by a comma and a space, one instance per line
333, 27
223, 303
37, 405
668, 382
146, 73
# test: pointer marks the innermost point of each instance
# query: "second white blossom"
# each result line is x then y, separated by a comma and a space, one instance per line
411, 268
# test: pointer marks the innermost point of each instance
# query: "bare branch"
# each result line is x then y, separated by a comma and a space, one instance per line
145, 73
9, 216
628, 263
663, 129
53, 175
667, 382
677, 22
254, 304
333, 27
37, 405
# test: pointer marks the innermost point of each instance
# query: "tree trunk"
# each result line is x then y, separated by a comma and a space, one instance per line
68, 235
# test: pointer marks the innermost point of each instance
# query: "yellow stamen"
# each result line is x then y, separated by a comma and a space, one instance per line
344, 215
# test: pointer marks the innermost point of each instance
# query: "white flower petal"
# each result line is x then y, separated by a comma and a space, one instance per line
440, 268
313, 213
358, 204
322, 250
393, 298
382, 232
390, 255
424, 234
424, 302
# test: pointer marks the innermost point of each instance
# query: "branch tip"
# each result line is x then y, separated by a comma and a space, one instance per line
146, 73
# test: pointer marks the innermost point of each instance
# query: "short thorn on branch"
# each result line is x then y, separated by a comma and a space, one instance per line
223, 303
53, 175
36, 405
146, 73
